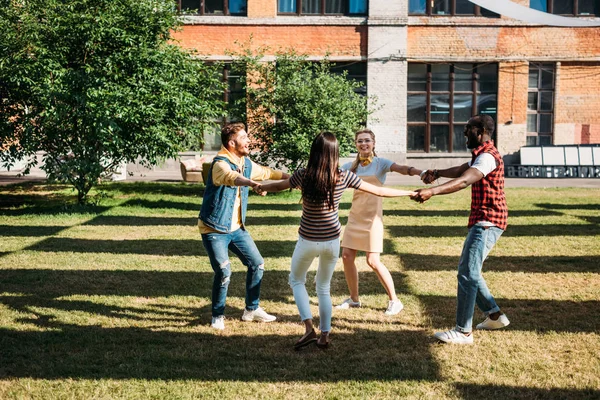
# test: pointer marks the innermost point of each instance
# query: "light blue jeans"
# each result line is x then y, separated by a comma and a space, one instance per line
304, 254
472, 288
217, 247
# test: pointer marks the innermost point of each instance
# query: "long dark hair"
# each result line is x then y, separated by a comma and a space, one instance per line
322, 172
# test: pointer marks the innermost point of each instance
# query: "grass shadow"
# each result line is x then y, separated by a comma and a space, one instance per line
524, 314
158, 247
93, 352
531, 264
511, 231
487, 391
30, 230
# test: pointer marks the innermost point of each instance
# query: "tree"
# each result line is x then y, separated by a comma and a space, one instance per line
289, 101
95, 83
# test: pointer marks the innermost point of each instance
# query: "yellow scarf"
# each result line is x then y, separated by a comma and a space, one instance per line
364, 161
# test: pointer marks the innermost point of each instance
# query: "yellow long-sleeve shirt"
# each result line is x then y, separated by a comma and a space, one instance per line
222, 174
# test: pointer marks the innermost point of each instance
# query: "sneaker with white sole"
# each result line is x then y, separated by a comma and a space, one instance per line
218, 322
490, 324
454, 336
394, 307
348, 303
258, 315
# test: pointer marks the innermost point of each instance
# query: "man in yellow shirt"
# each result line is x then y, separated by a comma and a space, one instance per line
222, 222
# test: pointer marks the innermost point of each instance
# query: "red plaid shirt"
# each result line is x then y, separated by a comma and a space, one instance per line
488, 202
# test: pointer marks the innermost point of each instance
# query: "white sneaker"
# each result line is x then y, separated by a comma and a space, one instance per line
454, 336
348, 303
394, 307
490, 324
259, 315
218, 322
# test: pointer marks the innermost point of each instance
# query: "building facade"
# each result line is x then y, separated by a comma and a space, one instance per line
431, 64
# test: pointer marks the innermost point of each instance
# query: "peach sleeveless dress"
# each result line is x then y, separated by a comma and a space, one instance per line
364, 230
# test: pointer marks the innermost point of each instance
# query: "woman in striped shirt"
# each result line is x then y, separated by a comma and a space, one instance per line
322, 184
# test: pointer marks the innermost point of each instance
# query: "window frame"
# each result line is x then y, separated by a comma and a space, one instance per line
538, 112
201, 9
323, 8
451, 92
575, 13
429, 11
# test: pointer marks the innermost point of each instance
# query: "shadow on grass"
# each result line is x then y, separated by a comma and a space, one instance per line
50, 284
575, 206
511, 231
158, 247
30, 230
122, 220
118, 220
67, 350
164, 204
175, 189
465, 213
524, 314
92, 352
487, 391
540, 264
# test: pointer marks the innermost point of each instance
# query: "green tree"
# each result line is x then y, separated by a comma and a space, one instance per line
95, 83
289, 101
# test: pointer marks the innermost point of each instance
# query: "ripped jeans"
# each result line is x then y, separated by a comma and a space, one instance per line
241, 244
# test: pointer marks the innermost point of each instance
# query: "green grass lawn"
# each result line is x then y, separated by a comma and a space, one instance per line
112, 300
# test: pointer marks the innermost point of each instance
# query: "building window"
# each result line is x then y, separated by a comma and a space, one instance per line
540, 104
448, 7
582, 8
213, 7
356, 71
441, 100
322, 7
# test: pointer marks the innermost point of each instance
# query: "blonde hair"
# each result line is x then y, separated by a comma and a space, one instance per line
357, 160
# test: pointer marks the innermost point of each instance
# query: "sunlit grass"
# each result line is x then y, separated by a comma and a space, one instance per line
112, 300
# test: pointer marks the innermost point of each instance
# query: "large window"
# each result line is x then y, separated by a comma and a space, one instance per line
441, 100
233, 92
356, 71
213, 7
322, 7
540, 104
567, 7
447, 7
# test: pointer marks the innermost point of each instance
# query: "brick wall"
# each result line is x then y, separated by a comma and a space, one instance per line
214, 40
577, 103
489, 43
512, 108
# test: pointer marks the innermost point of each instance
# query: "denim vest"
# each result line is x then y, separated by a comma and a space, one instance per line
218, 202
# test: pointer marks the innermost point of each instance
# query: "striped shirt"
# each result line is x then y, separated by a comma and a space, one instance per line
319, 223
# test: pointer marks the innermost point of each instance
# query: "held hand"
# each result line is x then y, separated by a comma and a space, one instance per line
258, 189
422, 195
429, 176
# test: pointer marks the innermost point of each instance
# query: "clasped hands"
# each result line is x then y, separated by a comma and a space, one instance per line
422, 195
257, 187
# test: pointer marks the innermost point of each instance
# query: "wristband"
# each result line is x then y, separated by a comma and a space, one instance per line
422, 173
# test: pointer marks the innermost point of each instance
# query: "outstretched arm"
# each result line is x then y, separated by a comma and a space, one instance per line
384, 191
405, 170
275, 186
470, 176
453, 172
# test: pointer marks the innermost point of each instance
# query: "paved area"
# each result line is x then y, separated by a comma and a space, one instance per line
7, 178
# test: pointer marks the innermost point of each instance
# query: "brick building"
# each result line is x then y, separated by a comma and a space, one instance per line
432, 64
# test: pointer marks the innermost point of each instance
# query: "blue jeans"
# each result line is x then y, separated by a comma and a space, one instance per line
304, 254
472, 288
241, 244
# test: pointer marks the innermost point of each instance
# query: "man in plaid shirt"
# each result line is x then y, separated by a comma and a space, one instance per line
489, 214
